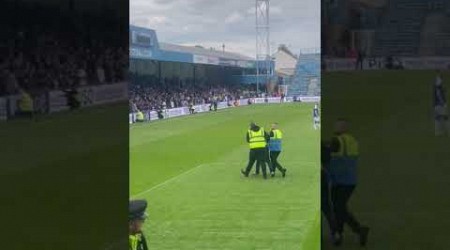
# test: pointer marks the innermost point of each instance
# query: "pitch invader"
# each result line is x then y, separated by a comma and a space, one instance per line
441, 123
316, 116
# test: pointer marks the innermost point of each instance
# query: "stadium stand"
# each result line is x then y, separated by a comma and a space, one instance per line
399, 27
50, 56
147, 95
306, 81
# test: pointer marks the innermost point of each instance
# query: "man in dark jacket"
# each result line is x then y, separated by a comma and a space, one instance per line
257, 139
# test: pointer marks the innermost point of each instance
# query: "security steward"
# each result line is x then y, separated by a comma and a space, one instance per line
26, 104
342, 170
275, 149
139, 116
136, 220
257, 139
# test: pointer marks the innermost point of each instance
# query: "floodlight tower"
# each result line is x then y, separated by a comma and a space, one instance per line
262, 41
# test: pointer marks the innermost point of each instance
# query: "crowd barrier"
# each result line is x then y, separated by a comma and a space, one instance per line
56, 101
347, 64
3, 109
182, 111
89, 96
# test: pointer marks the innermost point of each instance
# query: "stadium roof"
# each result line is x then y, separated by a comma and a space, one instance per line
203, 51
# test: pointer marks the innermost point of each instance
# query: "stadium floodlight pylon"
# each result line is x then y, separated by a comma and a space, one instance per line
263, 59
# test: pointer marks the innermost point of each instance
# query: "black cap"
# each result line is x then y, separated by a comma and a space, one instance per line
137, 209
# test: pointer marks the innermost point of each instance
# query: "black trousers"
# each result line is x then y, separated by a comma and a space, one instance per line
274, 161
258, 155
326, 207
340, 195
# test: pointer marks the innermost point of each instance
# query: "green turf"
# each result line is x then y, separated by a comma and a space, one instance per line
63, 177
188, 169
404, 170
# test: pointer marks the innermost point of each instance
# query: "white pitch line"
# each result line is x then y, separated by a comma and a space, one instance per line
173, 178
199, 166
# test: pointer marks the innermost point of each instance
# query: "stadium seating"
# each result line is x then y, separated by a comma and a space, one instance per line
399, 32
59, 52
307, 68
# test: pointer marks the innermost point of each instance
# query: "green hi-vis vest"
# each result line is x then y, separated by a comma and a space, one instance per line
257, 139
139, 116
26, 102
275, 141
137, 242
343, 163
348, 146
277, 134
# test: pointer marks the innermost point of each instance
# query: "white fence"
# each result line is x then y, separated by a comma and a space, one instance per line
346, 64
182, 111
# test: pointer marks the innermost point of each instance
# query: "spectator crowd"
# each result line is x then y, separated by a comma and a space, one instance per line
58, 52
145, 96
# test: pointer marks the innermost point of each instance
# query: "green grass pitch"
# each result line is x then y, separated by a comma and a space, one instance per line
404, 170
48, 167
188, 169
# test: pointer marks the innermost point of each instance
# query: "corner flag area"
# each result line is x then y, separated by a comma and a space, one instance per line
188, 168
403, 179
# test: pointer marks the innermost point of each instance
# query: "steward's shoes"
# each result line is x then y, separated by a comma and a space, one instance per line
283, 173
244, 173
363, 235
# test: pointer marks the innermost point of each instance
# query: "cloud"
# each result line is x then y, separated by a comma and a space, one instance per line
213, 22
233, 18
276, 10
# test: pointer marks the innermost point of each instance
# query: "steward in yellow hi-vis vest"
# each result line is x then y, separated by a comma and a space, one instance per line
136, 219
26, 104
257, 140
139, 116
276, 137
342, 170
344, 159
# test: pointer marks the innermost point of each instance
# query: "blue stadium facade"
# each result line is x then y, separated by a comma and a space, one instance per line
147, 55
198, 65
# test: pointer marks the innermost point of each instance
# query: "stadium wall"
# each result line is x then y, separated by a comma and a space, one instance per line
183, 111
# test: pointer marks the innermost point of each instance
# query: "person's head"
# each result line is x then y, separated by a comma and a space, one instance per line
274, 125
135, 226
341, 126
253, 124
137, 215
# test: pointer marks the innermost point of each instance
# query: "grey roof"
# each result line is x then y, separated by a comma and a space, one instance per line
203, 51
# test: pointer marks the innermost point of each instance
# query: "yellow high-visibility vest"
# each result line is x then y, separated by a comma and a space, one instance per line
277, 134
26, 102
348, 146
139, 116
257, 139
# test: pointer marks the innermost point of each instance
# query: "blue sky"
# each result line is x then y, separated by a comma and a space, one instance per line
211, 23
